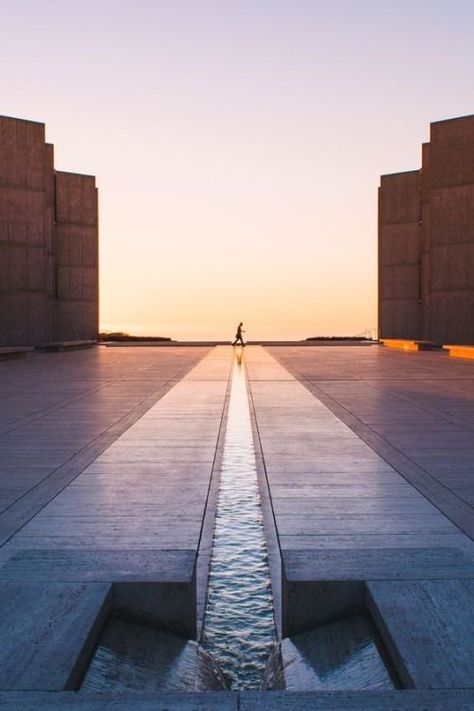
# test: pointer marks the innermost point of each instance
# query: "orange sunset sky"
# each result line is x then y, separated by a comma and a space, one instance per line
237, 146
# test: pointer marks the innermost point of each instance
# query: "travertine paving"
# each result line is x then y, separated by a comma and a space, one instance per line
122, 535
149, 488
350, 527
59, 411
325, 480
107, 464
414, 409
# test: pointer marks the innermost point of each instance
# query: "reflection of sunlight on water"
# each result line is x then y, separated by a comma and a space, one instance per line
239, 627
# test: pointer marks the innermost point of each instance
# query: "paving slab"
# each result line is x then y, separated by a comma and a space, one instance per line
129, 521
100, 566
345, 517
47, 632
428, 628
59, 412
379, 564
95, 512
211, 701
461, 700
416, 410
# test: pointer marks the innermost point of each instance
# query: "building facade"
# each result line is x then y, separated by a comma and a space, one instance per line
48, 243
426, 241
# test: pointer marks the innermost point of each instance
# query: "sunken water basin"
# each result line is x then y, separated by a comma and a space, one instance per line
343, 654
136, 657
239, 647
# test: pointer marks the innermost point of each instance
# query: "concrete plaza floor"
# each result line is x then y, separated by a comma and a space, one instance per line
109, 461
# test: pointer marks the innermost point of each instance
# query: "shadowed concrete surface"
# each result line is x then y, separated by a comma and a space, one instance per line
108, 458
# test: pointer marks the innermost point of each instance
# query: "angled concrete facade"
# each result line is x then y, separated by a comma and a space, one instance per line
48, 242
426, 241
76, 310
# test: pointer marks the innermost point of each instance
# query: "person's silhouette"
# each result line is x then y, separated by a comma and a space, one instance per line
238, 335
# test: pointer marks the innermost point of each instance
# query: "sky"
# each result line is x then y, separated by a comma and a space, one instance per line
237, 145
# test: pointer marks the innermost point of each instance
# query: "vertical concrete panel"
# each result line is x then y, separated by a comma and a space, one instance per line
425, 245
36, 259
452, 152
76, 310
49, 245
451, 197
22, 235
446, 240
439, 317
400, 255
470, 310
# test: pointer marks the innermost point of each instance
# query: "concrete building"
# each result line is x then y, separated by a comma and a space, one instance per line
426, 241
48, 243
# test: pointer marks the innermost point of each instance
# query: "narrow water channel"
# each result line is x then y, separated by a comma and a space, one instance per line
239, 626
238, 633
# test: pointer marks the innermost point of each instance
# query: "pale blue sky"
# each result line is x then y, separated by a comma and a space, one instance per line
237, 145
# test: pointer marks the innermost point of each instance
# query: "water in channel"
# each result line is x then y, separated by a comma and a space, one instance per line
239, 632
239, 625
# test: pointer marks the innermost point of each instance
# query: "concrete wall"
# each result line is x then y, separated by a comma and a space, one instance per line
48, 242
76, 310
441, 306
25, 172
399, 255
425, 331
451, 196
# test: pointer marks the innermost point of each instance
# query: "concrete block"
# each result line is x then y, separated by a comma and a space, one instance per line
156, 586
22, 147
452, 152
76, 199
17, 267
82, 701
152, 586
48, 632
89, 247
407, 281
36, 269
456, 307
457, 266
400, 197
461, 700
387, 285
27, 224
69, 280
48, 205
14, 319
439, 267
428, 629
38, 321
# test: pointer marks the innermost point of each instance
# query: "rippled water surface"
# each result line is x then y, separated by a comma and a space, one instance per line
239, 627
